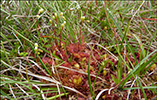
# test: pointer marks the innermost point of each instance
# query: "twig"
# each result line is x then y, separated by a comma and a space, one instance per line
43, 97
23, 90
46, 78
99, 94
12, 91
84, 73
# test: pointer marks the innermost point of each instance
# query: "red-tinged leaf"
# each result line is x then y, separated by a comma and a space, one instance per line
76, 55
46, 60
51, 62
83, 54
72, 48
66, 64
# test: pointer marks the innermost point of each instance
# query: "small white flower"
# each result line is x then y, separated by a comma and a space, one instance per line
41, 10
50, 21
63, 17
37, 16
36, 46
61, 14
55, 25
82, 18
56, 15
53, 17
88, 21
63, 24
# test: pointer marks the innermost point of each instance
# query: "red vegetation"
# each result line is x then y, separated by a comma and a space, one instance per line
75, 57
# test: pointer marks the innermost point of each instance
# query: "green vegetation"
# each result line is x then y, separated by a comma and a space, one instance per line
78, 50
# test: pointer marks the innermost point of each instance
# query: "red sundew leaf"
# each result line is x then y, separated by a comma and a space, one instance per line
57, 53
108, 97
116, 97
72, 48
76, 55
124, 95
81, 47
55, 48
87, 51
107, 77
112, 60
48, 94
44, 36
46, 60
80, 98
76, 48
115, 62
93, 63
97, 56
73, 62
82, 39
83, 54
71, 73
66, 64
137, 55
51, 62
65, 58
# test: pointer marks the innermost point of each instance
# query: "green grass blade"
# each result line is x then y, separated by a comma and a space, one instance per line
5, 95
141, 87
6, 38
99, 73
89, 78
117, 24
44, 66
141, 45
134, 71
149, 66
131, 50
140, 69
5, 53
20, 34
148, 87
56, 96
10, 81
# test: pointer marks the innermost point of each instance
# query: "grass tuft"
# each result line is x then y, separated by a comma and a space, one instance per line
78, 50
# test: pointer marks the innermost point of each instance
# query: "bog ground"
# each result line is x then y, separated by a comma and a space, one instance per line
78, 50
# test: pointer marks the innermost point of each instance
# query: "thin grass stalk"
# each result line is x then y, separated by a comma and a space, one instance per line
89, 78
